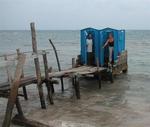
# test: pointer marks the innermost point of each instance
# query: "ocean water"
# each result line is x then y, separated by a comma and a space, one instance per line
68, 46
125, 103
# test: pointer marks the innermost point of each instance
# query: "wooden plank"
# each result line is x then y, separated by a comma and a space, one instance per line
14, 91
69, 70
80, 70
37, 66
23, 82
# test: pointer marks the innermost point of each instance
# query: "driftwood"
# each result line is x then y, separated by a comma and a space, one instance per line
14, 91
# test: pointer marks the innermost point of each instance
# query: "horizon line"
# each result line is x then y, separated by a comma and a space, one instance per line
56, 29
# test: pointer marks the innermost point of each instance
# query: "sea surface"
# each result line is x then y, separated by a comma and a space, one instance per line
67, 43
125, 103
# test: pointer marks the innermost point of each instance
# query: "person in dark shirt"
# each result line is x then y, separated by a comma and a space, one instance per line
110, 43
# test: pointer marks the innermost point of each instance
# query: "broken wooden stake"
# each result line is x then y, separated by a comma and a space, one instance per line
22, 76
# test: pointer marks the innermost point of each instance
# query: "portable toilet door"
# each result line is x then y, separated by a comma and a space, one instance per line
95, 37
104, 52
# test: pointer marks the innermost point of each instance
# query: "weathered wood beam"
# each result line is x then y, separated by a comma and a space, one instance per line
76, 86
37, 66
13, 91
48, 84
8, 71
22, 76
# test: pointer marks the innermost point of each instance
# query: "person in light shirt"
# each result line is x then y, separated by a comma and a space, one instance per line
89, 43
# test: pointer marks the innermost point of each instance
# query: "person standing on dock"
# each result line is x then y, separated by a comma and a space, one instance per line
89, 42
110, 43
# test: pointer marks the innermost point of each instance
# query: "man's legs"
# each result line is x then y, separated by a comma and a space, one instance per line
90, 59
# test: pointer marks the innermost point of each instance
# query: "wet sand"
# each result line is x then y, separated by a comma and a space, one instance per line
125, 103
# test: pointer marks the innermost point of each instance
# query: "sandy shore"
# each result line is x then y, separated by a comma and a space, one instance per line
125, 103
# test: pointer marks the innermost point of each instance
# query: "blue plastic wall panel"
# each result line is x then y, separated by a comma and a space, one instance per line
103, 38
116, 45
83, 48
95, 34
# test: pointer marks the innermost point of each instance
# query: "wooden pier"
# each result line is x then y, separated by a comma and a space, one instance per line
10, 88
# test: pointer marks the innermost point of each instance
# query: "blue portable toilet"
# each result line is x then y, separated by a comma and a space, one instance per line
119, 44
95, 35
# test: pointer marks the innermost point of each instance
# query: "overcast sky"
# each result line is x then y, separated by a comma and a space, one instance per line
75, 14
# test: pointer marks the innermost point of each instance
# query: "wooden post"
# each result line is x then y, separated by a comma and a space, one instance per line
51, 86
58, 63
111, 74
77, 87
97, 63
73, 63
49, 90
22, 76
111, 77
99, 80
98, 73
18, 106
37, 66
13, 91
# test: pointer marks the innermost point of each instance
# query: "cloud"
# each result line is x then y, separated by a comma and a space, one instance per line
74, 14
